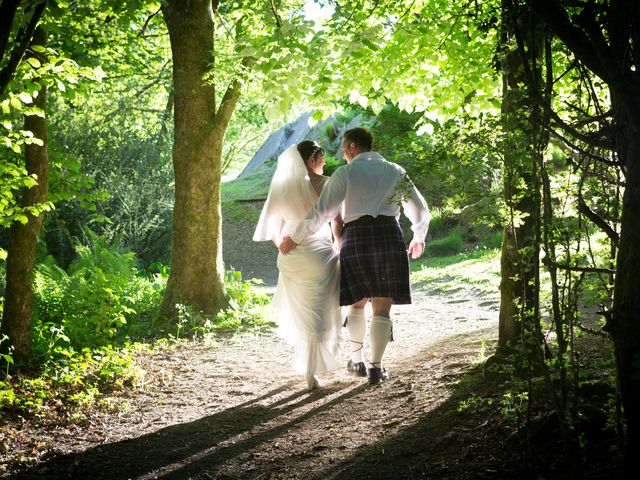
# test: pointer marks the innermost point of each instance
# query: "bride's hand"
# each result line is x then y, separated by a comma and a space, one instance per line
287, 245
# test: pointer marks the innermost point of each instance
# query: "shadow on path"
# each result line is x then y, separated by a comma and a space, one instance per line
181, 451
422, 433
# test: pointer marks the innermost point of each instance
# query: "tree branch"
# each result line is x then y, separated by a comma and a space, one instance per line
593, 140
582, 151
573, 268
599, 221
146, 23
591, 49
6, 74
275, 13
232, 95
453, 25
555, 16
8, 10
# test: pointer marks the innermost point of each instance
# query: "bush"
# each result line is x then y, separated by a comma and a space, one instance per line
443, 221
245, 312
85, 319
331, 165
330, 131
449, 245
102, 294
495, 241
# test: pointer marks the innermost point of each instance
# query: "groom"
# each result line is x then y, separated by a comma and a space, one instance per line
373, 259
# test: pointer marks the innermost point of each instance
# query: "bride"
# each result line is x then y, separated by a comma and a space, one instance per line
306, 300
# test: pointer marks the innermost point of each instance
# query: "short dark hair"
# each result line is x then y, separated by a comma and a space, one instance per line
360, 136
309, 149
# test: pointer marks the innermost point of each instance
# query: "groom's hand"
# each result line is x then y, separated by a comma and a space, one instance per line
415, 249
287, 245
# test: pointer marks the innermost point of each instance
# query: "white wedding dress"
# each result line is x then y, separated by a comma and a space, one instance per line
306, 300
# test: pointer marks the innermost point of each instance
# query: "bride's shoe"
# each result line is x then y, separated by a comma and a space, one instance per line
312, 382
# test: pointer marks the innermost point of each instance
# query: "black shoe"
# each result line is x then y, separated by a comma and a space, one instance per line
359, 369
377, 375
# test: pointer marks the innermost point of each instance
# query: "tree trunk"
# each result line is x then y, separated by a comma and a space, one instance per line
607, 44
520, 245
16, 317
509, 324
197, 274
625, 321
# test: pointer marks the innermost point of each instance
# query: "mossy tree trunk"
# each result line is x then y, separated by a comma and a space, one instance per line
18, 304
521, 152
624, 323
196, 276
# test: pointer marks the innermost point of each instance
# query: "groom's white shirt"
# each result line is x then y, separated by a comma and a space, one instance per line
366, 186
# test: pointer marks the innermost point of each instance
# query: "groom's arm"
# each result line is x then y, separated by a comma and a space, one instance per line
416, 210
327, 207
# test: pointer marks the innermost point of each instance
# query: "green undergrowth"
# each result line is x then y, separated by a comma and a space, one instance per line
94, 318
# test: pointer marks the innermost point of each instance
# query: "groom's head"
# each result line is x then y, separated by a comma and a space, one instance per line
356, 140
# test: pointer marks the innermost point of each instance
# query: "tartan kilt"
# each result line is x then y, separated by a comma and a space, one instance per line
373, 261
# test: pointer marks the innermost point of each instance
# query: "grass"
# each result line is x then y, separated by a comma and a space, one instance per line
252, 186
479, 269
241, 211
449, 245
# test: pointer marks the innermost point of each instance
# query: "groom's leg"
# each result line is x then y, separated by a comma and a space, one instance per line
379, 336
356, 327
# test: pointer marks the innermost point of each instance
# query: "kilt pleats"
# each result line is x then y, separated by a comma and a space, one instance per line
373, 261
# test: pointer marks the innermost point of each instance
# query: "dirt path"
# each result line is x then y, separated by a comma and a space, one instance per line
238, 412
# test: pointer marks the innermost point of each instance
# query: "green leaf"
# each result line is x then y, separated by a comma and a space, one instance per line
73, 164
370, 44
34, 62
30, 182
38, 48
3, 254
25, 97
23, 219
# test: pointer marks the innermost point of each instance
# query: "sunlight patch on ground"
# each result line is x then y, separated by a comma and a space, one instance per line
480, 270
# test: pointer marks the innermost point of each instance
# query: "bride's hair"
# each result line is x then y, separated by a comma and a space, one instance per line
309, 149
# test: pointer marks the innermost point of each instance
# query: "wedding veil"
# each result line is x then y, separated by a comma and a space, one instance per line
291, 196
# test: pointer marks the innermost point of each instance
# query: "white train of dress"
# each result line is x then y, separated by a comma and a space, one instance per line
306, 303
306, 300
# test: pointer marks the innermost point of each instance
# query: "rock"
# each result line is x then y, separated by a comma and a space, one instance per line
297, 131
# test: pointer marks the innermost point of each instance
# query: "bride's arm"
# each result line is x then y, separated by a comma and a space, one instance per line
336, 228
